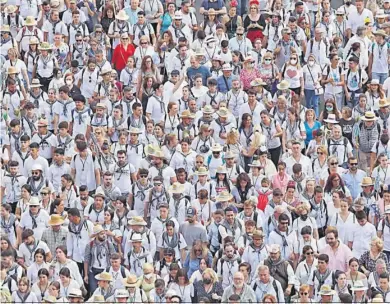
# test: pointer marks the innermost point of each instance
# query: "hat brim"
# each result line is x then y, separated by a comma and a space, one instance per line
75, 297
35, 86
384, 105
123, 18
368, 119
132, 223
331, 121
365, 185
56, 223
97, 277
201, 173
327, 293
379, 34
224, 199
256, 166
282, 87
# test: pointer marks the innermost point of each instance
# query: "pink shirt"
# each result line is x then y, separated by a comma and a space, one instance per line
277, 182
338, 260
246, 77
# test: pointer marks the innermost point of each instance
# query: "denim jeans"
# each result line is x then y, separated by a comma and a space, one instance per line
380, 76
312, 101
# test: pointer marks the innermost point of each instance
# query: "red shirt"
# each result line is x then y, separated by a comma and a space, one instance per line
120, 56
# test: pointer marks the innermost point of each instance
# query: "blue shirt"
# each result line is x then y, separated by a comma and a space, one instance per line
133, 17
309, 131
221, 84
202, 70
353, 181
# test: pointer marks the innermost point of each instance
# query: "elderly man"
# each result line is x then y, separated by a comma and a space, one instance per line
55, 235
246, 293
266, 284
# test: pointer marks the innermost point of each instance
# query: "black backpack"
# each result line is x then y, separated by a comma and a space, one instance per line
274, 285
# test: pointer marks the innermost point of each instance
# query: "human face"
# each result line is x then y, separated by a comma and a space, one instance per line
322, 265
264, 276
354, 266
362, 222
22, 287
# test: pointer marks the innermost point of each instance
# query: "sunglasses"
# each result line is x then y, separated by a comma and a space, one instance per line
303, 293
79, 40
240, 34
353, 164
283, 223
278, 194
334, 164
309, 253
143, 176
35, 173
44, 193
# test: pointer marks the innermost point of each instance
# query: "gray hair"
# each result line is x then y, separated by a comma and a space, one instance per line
360, 30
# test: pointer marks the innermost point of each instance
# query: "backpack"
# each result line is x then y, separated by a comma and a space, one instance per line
83, 25
262, 201
325, 42
196, 190
142, 29
223, 261
35, 31
274, 285
345, 143
337, 218
379, 131
123, 272
328, 70
315, 272
147, 235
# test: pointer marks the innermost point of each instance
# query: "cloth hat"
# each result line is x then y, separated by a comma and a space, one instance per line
130, 281
30, 21
331, 119
122, 16
221, 170
34, 201
55, 220
187, 114
178, 15
380, 33
44, 46
224, 196
358, 285
137, 220
121, 293
175, 73
99, 194
199, 52
256, 164
369, 116
202, 171
227, 67
274, 248
257, 82
216, 148
104, 276
43, 122
229, 154
75, 293
216, 57
105, 71
258, 234
136, 237
223, 112
35, 83
176, 188
283, 85
210, 39
367, 181
190, 212
36, 167
207, 109
340, 11
326, 290
380, 14
375, 82
97, 229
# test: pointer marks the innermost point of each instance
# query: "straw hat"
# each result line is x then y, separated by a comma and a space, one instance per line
30, 21
380, 33
99, 194
55, 220
105, 71
369, 116
187, 114
227, 67
257, 82
258, 234
358, 286
35, 83
176, 188
12, 70
211, 11
283, 85
75, 293
326, 290
274, 248
5, 28
383, 103
136, 237
207, 109
100, 105
216, 148
34, 201
97, 299
122, 15
97, 229
104, 276
49, 299
331, 119
43, 122
148, 267
223, 112
10, 9
150, 149
256, 164
137, 220
130, 281
202, 171
134, 131
367, 181
44, 46
221, 170
158, 154
224, 196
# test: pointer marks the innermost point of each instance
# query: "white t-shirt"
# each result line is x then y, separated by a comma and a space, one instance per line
361, 237
292, 74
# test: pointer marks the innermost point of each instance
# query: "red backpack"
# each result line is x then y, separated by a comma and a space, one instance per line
262, 199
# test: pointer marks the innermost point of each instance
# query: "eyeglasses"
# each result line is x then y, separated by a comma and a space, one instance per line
303, 293
44, 193
334, 164
283, 223
143, 176
144, 43
35, 173
353, 164
125, 38
216, 152
157, 185
320, 153
309, 253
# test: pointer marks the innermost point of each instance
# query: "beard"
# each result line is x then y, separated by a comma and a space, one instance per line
36, 178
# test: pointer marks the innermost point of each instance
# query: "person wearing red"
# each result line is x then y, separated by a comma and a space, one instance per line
122, 52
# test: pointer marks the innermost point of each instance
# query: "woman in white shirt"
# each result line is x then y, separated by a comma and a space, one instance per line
292, 72
294, 128
63, 262
129, 74
38, 264
305, 267
66, 283
183, 287
41, 288
343, 220
24, 294
14, 61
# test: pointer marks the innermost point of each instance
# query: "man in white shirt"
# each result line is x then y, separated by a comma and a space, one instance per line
27, 32
52, 26
358, 18
361, 235
240, 43
30, 245
298, 158
156, 108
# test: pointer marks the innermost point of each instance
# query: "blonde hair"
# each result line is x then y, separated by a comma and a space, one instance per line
308, 111
304, 287
323, 149
378, 243
212, 274
232, 137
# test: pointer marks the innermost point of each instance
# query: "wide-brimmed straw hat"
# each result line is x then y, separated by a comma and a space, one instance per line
104, 276
44, 46
383, 103
137, 220
283, 85
367, 181
35, 83
55, 220
122, 16
224, 196
326, 290
30, 21
176, 188
130, 281
202, 171
369, 116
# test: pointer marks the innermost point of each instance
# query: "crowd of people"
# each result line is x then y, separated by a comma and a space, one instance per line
179, 152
